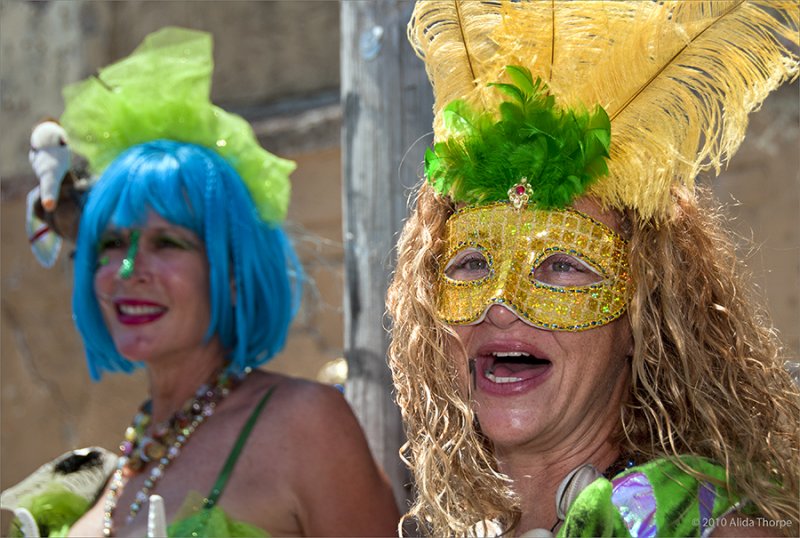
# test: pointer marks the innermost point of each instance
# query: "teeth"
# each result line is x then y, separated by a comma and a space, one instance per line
139, 310
500, 380
509, 354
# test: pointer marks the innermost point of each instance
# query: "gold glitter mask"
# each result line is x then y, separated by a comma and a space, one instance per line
558, 269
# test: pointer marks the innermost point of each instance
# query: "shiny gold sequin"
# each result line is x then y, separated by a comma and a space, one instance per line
514, 244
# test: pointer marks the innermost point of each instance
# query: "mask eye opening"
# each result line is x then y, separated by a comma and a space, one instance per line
562, 268
469, 264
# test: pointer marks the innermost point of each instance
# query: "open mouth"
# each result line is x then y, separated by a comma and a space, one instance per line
513, 367
510, 371
137, 312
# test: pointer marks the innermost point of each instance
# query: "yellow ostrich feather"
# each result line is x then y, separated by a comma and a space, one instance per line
677, 78
460, 58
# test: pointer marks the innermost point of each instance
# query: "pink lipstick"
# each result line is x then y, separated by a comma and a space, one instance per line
137, 312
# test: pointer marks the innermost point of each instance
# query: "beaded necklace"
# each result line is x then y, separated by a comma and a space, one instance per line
163, 445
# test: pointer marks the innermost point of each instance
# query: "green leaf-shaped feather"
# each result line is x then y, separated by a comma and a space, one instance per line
521, 76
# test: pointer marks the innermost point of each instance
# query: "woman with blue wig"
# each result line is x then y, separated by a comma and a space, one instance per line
182, 267
193, 188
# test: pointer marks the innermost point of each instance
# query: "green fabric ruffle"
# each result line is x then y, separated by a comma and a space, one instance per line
213, 522
162, 91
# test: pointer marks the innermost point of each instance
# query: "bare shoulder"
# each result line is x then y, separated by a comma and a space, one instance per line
738, 524
336, 486
299, 408
295, 395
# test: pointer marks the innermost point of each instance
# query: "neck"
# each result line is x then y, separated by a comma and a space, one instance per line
171, 384
536, 479
539, 467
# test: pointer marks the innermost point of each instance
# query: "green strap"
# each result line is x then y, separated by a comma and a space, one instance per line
230, 463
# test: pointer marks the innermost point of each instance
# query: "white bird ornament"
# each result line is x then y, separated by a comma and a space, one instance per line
54, 205
50, 158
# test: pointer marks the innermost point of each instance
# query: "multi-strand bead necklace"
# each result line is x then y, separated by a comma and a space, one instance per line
162, 445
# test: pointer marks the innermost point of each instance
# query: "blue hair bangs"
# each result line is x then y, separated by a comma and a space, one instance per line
162, 185
193, 187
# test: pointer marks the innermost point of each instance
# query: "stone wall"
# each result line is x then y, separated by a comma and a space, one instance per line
264, 53
761, 194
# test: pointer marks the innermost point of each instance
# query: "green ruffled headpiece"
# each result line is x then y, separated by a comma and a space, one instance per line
555, 154
162, 91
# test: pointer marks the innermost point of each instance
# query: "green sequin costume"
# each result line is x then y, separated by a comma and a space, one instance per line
658, 498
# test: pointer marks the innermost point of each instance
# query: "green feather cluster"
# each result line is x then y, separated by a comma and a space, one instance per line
55, 510
560, 152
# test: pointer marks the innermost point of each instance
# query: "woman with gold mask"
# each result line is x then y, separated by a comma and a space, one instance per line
573, 351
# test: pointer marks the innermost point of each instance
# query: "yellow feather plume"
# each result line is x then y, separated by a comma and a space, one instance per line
460, 58
677, 78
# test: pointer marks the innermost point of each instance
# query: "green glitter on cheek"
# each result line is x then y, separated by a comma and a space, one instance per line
102, 262
127, 266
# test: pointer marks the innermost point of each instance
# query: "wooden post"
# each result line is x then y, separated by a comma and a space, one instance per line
387, 104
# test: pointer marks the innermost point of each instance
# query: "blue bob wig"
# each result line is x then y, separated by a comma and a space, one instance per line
193, 187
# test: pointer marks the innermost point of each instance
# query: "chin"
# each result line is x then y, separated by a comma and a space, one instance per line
134, 351
509, 427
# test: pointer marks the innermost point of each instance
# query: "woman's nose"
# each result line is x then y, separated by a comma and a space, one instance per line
136, 268
128, 266
501, 316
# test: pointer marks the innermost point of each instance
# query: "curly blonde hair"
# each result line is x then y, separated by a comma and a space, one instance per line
706, 376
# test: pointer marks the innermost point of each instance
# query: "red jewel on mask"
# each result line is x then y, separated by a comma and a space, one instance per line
520, 194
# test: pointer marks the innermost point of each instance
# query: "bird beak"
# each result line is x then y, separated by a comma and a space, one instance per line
49, 204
